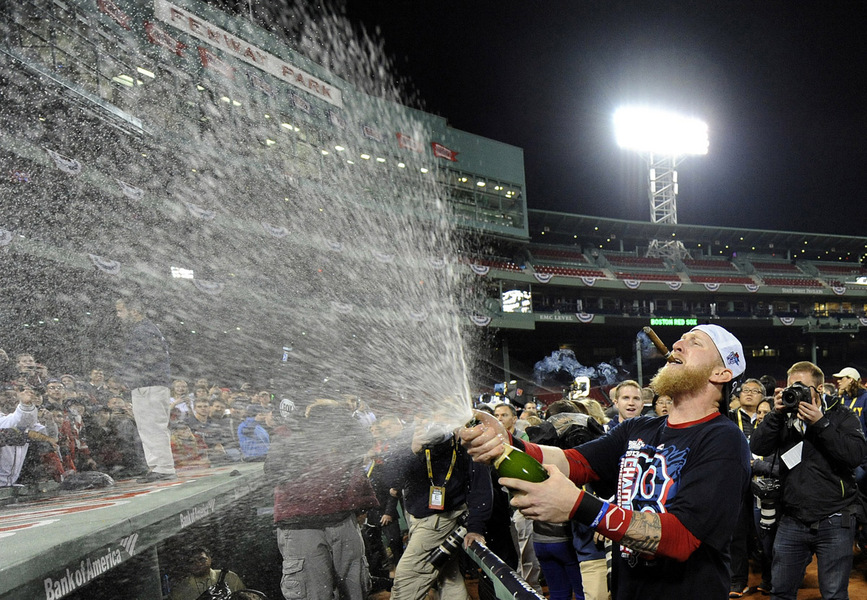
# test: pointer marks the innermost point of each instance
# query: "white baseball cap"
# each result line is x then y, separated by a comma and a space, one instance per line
728, 346
849, 372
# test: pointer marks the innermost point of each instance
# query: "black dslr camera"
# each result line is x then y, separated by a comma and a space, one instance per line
769, 491
794, 395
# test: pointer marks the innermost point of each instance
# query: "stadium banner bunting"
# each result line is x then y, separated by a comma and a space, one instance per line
130, 191
787, 321
584, 317
480, 269
70, 166
711, 287
751, 287
112, 267
543, 277
632, 284
480, 320
675, 285
275, 230
200, 213
213, 288
590, 281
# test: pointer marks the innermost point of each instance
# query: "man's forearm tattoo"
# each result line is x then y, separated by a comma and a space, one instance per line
643, 533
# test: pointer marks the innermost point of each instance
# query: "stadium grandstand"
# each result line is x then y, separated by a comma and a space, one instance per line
590, 287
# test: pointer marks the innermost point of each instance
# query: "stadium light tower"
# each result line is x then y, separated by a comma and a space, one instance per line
663, 139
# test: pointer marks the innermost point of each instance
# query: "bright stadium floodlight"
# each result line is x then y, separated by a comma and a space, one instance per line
663, 139
660, 132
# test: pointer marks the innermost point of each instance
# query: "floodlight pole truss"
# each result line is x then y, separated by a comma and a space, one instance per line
662, 193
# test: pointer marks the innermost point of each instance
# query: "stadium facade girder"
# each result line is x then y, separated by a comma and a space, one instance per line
587, 231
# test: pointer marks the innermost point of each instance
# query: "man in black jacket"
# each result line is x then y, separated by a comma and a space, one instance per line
819, 448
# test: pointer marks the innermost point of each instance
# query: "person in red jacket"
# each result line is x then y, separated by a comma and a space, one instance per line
321, 485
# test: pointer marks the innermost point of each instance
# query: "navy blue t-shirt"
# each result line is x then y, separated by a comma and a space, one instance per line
699, 473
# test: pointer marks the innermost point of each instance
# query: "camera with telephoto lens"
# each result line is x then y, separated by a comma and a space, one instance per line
768, 490
442, 553
794, 395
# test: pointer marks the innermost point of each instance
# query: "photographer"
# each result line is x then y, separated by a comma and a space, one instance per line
819, 448
442, 488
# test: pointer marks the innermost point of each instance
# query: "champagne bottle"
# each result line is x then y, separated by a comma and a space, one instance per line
519, 465
516, 463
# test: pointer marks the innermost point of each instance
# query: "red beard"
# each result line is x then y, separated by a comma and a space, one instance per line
675, 381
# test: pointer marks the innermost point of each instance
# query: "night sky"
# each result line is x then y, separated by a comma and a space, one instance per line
781, 85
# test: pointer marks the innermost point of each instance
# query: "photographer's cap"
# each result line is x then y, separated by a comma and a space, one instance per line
850, 373
728, 346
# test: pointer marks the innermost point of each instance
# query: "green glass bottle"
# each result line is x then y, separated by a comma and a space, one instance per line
519, 465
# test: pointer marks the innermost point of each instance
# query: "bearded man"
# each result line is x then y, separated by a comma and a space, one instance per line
679, 479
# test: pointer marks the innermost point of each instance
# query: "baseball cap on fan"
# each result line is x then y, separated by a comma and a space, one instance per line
850, 373
728, 346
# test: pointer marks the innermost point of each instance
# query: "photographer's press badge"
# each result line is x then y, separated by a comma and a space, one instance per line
437, 500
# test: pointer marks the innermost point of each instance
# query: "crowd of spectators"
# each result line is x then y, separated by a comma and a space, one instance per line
87, 424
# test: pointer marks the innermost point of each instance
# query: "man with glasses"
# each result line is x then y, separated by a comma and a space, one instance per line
819, 448
745, 417
55, 393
